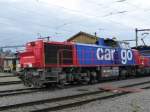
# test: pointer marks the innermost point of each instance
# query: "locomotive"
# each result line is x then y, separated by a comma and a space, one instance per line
47, 62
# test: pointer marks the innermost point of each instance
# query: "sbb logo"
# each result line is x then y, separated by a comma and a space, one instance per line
126, 55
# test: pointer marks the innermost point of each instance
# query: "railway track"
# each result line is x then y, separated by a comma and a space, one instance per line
82, 99
25, 91
9, 79
32, 90
10, 82
19, 91
73, 102
3, 76
54, 104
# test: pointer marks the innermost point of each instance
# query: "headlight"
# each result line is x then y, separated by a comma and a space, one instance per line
30, 65
18, 65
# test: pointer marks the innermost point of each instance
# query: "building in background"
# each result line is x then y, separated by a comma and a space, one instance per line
83, 37
8, 61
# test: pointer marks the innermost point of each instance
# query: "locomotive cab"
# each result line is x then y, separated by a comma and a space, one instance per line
108, 42
42, 62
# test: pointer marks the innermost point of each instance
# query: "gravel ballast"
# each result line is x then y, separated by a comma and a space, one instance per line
135, 102
70, 91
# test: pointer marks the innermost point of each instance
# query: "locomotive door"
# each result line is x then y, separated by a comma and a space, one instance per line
58, 54
65, 56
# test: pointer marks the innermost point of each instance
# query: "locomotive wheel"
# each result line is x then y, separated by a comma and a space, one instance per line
25, 80
26, 83
93, 78
122, 74
36, 83
60, 85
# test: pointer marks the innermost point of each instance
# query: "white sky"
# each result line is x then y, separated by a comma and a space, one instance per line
25, 20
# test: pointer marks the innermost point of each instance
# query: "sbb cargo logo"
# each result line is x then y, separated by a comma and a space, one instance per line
126, 55
105, 54
108, 55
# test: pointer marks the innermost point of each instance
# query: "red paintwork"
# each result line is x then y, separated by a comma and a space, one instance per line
136, 55
34, 55
140, 60
75, 56
144, 61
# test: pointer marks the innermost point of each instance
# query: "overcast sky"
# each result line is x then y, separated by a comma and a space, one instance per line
25, 20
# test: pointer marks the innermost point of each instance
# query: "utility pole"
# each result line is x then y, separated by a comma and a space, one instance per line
136, 34
95, 34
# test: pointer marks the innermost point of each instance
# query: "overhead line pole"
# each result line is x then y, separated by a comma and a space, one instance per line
136, 34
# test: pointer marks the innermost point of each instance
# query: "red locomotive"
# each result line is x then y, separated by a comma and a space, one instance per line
45, 62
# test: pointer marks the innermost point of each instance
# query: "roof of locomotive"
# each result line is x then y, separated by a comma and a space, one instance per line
100, 43
109, 43
49, 42
91, 45
141, 48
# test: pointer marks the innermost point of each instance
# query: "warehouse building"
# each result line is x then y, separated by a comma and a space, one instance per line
83, 37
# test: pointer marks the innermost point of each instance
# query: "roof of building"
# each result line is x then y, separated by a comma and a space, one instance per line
82, 33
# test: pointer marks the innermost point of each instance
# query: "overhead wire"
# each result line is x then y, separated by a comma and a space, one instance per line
123, 11
77, 11
85, 14
44, 25
80, 12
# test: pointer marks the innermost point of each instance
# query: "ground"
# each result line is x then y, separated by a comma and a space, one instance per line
135, 102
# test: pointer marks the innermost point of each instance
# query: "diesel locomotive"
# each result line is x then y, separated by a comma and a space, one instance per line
46, 62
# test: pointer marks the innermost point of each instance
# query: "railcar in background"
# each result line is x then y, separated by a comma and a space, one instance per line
47, 62
8, 63
144, 59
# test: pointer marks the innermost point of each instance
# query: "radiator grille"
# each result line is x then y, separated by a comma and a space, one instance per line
58, 54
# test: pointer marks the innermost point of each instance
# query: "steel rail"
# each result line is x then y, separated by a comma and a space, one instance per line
38, 102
